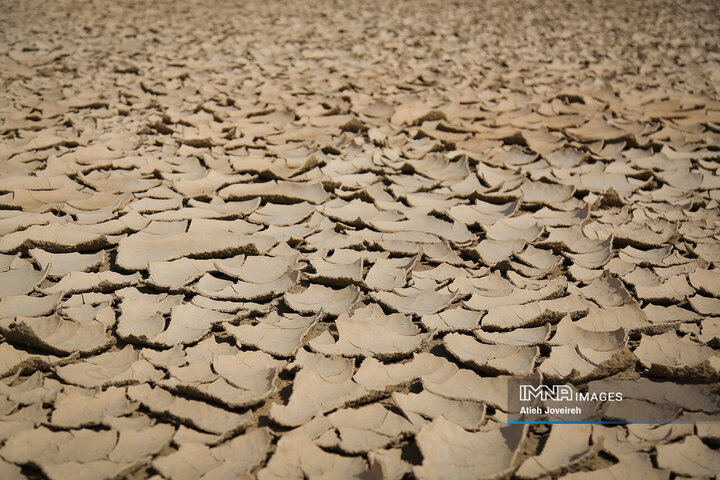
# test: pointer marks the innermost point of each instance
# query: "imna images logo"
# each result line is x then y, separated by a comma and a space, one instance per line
546, 392
558, 393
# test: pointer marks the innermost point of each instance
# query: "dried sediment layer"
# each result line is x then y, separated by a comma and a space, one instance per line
313, 240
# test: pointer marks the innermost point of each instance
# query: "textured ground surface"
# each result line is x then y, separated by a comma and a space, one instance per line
310, 240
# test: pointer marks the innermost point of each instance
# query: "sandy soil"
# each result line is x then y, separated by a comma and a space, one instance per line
287, 240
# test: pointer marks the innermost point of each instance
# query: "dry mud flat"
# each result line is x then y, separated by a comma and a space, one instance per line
313, 240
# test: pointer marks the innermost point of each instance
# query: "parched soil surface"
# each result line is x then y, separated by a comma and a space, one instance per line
309, 239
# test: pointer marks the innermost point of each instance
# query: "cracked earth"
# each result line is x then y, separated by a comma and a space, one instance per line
314, 240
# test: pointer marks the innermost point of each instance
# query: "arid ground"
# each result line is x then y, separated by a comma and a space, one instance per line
309, 239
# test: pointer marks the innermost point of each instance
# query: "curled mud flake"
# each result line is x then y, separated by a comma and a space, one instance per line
116, 367
322, 384
28, 306
61, 264
369, 332
467, 414
136, 251
76, 409
296, 456
20, 278
566, 446
197, 414
451, 452
317, 298
629, 464
688, 457
368, 428
707, 281
56, 335
669, 355
279, 335
77, 282
232, 459
507, 359
56, 237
